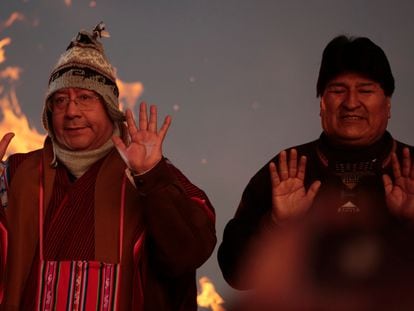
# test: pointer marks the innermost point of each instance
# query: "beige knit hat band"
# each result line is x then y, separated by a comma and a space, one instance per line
83, 78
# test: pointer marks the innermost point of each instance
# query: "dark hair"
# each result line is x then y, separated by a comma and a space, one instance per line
355, 55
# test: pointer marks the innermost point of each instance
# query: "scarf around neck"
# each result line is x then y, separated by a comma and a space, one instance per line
78, 162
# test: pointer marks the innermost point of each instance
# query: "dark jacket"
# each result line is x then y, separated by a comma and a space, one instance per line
350, 205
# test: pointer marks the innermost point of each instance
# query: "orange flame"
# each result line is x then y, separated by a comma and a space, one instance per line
129, 92
26, 138
11, 73
209, 298
68, 2
15, 16
3, 42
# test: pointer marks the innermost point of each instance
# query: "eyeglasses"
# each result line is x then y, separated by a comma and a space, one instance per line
84, 102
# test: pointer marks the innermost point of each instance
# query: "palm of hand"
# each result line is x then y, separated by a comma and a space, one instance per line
145, 148
401, 197
399, 194
290, 196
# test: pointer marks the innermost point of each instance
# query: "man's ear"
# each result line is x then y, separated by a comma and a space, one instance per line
389, 106
321, 106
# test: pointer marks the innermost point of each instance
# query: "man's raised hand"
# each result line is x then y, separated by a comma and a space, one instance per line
399, 194
289, 196
145, 148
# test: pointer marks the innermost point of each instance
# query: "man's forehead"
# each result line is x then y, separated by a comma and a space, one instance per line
73, 89
352, 79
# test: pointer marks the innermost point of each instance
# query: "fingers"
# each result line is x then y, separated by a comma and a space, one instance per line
293, 163
120, 146
406, 162
290, 169
119, 143
164, 127
153, 119
395, 166
143, 118
4, 143
132, 128
145, 124
302, 168
283, 169
274, 176
412, 168
408, 166
386, 179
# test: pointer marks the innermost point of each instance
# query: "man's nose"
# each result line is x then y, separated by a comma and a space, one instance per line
72, 109
352, 100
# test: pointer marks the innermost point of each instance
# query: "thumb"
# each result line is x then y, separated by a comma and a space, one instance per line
4, 143
313, 190
121, 148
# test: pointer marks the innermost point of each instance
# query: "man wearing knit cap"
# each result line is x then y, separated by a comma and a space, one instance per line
328, 225
98, 219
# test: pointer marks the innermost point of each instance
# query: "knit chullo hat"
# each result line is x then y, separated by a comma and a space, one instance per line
84, 65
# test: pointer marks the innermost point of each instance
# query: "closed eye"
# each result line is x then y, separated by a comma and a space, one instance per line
366, 91
337, 90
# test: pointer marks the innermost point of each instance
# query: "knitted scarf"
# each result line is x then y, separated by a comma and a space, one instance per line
78, 162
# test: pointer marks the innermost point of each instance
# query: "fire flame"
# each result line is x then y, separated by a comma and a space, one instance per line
14, 17
3, 42
92, 3
26, 137
209, 298
129, 92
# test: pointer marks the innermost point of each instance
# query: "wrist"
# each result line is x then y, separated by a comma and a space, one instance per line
142, 171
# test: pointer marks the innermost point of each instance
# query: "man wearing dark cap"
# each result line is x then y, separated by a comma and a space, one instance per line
328, 225
98, 219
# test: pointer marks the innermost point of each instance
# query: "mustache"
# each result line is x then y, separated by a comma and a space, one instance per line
346, 114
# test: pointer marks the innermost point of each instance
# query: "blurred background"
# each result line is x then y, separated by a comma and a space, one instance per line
237, 76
